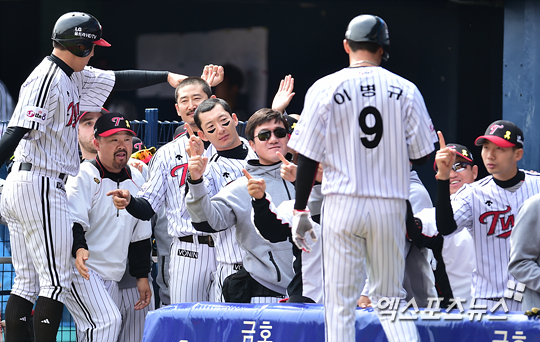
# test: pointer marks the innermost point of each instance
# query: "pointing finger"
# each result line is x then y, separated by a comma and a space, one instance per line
118, 193
441, 140
282, 158
248, 176
189, 129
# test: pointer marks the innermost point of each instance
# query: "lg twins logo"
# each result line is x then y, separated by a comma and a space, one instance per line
498, 216
493, 128
138, 146
36, 114
116, 120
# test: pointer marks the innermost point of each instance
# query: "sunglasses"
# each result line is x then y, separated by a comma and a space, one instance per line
265, 134
459, 166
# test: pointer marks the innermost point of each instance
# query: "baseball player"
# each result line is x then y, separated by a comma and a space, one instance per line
193, 254
487, 208
101, 252
132, 320
418, 281
45, 123
192, 258
364, 124
455, 253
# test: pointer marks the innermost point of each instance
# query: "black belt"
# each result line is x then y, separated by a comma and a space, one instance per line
203, 239
28, 167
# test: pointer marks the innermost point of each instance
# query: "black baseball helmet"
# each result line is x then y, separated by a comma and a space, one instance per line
78, 32
369, 28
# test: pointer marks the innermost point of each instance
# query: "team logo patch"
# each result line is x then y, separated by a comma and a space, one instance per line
36, 114
97, 180
188, 254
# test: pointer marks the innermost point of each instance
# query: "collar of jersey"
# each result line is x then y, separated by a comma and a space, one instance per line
519, 177
66, 68
123, 175
239, 152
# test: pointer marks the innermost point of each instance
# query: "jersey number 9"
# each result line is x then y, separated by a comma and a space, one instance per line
376, 128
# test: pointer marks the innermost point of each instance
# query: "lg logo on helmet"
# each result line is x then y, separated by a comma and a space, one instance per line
79, 32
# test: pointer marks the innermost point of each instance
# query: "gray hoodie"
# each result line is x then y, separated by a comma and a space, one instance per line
268, 263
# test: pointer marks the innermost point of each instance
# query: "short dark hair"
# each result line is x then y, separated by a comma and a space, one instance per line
261, 116
208, 105
369, 46
190, 81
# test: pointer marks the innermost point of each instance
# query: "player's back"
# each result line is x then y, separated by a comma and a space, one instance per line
374, 122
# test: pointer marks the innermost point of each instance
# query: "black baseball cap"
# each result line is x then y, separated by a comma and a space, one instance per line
462, 151
138, 145
503, 134
111, 123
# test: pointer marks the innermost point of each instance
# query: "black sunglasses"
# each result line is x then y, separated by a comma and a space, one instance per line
265, 134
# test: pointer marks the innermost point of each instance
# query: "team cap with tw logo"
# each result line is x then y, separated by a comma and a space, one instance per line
111, 123
503, 134
461, 150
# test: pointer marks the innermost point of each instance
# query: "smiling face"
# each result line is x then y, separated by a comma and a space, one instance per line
114, 151
501, 162
189, 97
266, 149
465, 176
219, 127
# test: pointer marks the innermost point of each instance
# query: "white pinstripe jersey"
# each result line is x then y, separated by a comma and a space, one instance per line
167, 185
220, 172
363, 125
489, 211
50, 104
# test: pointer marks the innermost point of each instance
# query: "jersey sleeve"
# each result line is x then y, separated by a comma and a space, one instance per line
463, 211
80, 192
97, 85
420, 131
37, 101
309, 133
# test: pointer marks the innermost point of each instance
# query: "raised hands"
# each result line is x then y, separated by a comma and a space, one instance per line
288, 169
175, 79
195, 142
256, 187
445, 159
196, 163
284, 94
213, 74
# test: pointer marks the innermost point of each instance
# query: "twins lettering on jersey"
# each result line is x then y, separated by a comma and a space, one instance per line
492, 218
74, 114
